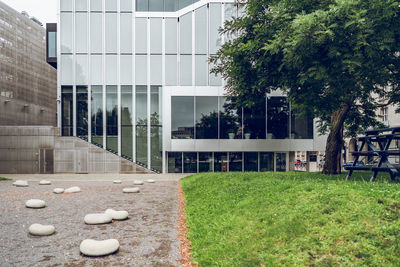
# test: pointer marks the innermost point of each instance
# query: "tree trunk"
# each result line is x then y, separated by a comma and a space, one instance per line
334, 143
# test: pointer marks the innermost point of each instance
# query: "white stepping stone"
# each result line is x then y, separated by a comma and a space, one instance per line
97, 218
58, 190
151, 181
137, 182
117, 181
39, 229
35, 203
91, 247
131, 190
117, 214
44, 182
74, 189
21, 183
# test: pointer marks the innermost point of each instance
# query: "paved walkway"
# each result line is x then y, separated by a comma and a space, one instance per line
147, 238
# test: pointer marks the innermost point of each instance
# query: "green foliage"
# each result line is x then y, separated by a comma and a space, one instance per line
4, 179
323, 54
292, 219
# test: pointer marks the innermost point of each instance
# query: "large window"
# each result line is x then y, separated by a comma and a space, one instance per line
81, 33
171, 33
141, 36
156, 127
66, 111
280, 162
235, 161
81, 69
205, 162
266, 161
141, 124
206, 117
250, 161
126, 33
97, 114
156, 35
112, 118
175, 162
230, 120
220, 162
301, 126
52, 44
111, 33
82, 111
254, 120
189, 162
96, 33
278, 118
126, 121
215, 24
182, 114
66, 32
185, 26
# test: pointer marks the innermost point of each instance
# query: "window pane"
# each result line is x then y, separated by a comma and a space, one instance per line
66, 32
111, 69
182, 117
155, 36
186, 70
235, 161
280, 162
220, 162
81, 69
206, 117
155, 70
156, 127
201, 72
171, 71
266, 161
205, 162
174, 162
189, 162
184, 3
250, 161
96, 34
96, 69
52, 47
302, 126
171, 33
141, 73
215, 24
112, 118
126, 33
141, 35
66, 69
126, 5
80, 5
96, 5
185, 23
66, 5
111, 5
81, 33
156, 5
254, 120
171, 5
97, 114
278, 118
230, 120
66, 111
142, 5
201, 30
111, 33
82, 112
141, 124
230, 14
126, 121
215, 80
126, 69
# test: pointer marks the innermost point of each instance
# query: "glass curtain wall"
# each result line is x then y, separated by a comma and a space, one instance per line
206, 117
205, 162
278, 118
189, 162
141, 124
182, 114
254, 120
112, 118
280, 162
220, 162
67, 110
301, 126
174, 162
97, 114
250, 161
230, 120
235, 161
156, 127
266, 161
82, 112
126, 121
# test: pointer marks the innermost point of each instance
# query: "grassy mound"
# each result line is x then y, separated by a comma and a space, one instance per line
263, 219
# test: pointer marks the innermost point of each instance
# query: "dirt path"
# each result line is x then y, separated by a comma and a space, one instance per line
147, 238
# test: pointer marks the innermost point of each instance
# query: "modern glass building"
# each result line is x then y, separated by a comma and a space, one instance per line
133, 78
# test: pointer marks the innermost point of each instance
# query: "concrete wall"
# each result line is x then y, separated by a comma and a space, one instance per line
40, 149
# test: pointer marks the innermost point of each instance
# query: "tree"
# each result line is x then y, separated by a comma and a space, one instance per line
335, 60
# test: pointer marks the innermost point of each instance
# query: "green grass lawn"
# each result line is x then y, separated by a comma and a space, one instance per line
292, 219
4, 179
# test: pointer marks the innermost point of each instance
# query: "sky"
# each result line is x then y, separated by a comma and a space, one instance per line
44, 10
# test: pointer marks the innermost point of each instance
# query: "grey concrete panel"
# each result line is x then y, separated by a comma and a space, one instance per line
111, 167
28, 154
46, 142
64, 167
8, 166
8, 154
96, 167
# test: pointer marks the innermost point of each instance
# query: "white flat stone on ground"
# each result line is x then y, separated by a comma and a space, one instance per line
74, 189
138, 182
91, 247
44, 182
21, 183
131, 190
39, 229
117, 181
97, 218
117, 214
151, 181
58, 190
35, 203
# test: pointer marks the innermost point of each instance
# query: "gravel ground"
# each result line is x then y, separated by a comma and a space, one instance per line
147, 238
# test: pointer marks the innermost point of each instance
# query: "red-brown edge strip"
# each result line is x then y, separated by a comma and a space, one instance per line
185, 249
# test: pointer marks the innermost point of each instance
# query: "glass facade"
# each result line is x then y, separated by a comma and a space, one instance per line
97, 114
126, 122
111, 118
